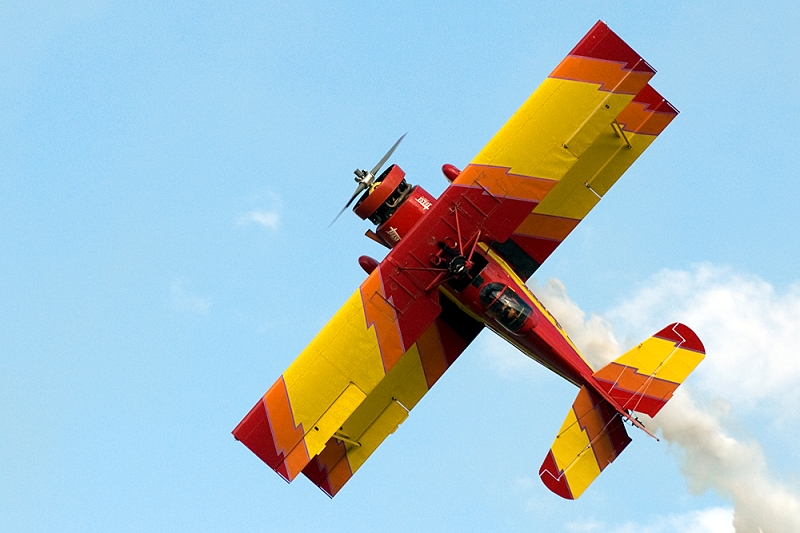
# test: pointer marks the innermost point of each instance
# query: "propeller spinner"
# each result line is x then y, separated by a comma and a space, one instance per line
365, 178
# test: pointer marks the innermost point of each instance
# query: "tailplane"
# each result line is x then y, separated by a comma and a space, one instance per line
593, 434
645, 378
591, 437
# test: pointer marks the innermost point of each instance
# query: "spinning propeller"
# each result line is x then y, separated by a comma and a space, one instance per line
366, 178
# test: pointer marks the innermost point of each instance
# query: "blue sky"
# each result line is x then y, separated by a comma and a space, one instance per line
167, 175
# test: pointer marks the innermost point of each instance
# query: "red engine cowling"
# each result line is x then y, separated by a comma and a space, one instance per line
387, 190
413, 207
393, 205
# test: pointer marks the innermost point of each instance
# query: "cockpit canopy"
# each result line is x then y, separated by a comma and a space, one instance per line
505, 306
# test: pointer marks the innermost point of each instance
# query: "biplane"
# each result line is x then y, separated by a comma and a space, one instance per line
457, 264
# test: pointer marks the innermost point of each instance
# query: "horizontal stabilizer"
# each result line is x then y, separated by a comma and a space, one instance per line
645, 378
591, 437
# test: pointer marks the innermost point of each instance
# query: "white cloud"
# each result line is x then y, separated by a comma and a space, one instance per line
266, 219
594, 335
751, 333
712, 520
183, 300
266, 213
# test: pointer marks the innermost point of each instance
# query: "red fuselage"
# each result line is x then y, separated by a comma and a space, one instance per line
494, 295
534, 330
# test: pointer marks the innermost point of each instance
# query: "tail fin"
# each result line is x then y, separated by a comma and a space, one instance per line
645, 378
591, 437
593, 434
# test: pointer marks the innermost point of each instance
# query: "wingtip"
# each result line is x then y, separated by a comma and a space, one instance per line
683, 335
553, 478
602, 43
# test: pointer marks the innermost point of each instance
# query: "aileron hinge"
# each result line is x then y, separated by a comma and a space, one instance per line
594, 191
344, 438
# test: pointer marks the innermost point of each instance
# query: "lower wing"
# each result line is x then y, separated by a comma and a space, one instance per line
349, 389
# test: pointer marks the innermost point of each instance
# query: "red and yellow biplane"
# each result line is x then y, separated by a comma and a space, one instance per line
459, 263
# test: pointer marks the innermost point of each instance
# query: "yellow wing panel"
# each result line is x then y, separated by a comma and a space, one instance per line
580, 131
388, 405
566, 113
344, 353
545, 137
590, 438
329, 380
595, 172
645, 378
351, 387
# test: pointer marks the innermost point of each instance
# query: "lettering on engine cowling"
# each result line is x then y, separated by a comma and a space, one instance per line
424, 202
392, 232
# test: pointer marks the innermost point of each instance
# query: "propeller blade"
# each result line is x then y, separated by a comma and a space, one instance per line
365, 179
377, 168
359, 190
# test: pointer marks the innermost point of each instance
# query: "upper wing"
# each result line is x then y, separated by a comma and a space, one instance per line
548, 165
568, 144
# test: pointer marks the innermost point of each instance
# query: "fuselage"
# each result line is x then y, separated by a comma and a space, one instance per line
502, 301
492, 293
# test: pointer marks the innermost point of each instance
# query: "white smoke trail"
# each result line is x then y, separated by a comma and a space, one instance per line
715, 303
712, 459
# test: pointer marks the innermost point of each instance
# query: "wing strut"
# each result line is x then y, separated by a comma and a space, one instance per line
620, 133
450, 262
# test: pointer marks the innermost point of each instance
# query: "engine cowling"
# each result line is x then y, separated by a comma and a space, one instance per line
393, 205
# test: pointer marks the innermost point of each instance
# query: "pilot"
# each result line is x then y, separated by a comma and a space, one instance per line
508, 308
510, 313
